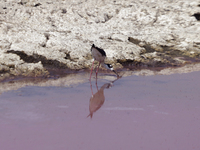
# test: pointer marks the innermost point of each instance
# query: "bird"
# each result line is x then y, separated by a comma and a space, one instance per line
97, 100
99, 55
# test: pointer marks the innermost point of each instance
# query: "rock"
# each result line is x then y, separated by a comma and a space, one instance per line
59, 34
12, 65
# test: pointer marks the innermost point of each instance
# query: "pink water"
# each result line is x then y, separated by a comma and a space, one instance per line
139, 113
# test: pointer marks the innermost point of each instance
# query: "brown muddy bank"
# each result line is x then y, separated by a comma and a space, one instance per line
63, 77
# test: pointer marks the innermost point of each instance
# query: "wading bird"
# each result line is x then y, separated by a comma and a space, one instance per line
98, 99
99, 55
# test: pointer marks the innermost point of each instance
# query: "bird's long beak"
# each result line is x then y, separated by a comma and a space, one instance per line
115, 73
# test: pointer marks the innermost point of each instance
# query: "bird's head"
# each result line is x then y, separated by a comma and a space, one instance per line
110, 67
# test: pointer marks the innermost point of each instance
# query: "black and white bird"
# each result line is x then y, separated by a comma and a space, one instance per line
99, 55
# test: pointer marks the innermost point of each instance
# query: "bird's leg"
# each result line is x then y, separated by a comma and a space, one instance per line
97, 69
97, 85
91, 88
91, 70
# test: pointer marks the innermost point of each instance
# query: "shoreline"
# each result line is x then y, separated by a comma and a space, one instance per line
82, 76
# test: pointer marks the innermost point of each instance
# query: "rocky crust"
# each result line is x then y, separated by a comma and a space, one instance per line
39, 34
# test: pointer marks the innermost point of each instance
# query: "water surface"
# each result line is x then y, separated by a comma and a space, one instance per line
136, 112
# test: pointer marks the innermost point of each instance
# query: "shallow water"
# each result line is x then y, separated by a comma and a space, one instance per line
136, 112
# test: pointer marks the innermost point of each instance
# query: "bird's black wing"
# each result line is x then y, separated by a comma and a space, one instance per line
103, 53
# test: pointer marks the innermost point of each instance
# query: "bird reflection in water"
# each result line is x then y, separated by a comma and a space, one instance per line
97, 99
